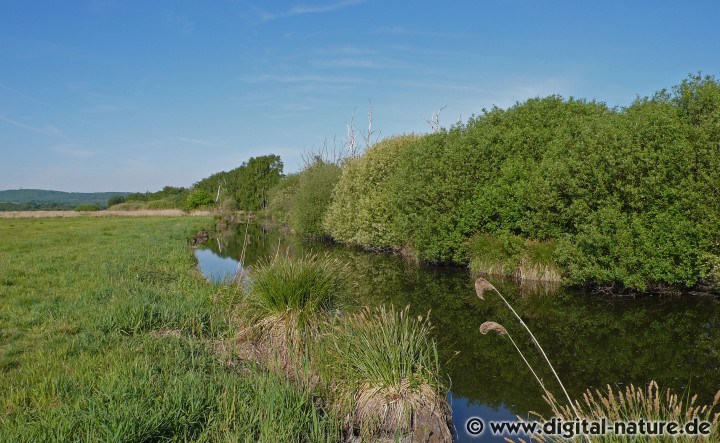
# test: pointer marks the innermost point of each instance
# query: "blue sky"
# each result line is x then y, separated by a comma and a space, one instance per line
106, 95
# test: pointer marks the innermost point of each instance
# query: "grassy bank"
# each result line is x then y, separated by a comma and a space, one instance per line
378, 369
107, 333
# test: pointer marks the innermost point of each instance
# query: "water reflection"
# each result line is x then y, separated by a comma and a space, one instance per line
216, 268
592, 340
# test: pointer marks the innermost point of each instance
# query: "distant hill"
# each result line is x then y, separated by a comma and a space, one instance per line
41, 199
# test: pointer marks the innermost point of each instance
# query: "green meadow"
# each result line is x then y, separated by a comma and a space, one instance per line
109, 333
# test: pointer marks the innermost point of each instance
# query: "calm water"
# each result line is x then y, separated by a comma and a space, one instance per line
592, 340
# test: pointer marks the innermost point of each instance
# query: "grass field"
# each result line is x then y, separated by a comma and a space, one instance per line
107, 332
104, 213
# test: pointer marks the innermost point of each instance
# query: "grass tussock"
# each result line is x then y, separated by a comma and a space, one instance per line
287, 303
377, 368
388, 365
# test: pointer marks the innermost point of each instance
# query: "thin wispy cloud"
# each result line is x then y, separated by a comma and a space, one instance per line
302, 9
48, 130
22, 94
350, 63
191, 141
101, 109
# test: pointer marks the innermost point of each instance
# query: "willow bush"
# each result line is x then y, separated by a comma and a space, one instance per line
301, 200
360, 212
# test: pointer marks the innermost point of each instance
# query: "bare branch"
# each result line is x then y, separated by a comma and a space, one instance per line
434, 122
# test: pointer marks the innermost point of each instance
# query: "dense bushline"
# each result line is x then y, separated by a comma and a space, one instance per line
35, 206
244, 187
301, 200
624, 196
168, 198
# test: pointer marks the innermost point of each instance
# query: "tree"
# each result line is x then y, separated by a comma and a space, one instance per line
248, 185
115, 200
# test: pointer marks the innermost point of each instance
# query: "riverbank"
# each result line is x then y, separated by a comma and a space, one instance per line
594, 339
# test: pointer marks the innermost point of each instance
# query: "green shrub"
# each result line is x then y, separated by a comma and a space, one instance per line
245, 187
281, 198
360, 212
312, 195
623, 197
87, 207
198, 198
115, 200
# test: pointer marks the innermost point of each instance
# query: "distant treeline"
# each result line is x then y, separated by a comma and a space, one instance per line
39, 199
550, 188
35, 206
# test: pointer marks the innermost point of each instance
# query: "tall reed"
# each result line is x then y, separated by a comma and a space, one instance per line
482, 285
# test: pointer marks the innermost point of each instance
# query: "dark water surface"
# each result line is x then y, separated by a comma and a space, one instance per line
592, 340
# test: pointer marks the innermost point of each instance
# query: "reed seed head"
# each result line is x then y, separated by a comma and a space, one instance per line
482, 285
492, 326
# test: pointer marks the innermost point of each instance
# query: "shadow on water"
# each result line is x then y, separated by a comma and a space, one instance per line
592, 340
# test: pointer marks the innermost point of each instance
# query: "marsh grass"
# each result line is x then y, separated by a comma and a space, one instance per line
481, 287
513, 257
635, 403
305, 286
385, 364
287, 303
107, 333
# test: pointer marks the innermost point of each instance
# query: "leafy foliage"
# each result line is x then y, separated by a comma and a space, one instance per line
115, 200
360, 211
167, 198
629, 195
282, 198
301, 200
198, 198
312, 197
245, 187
